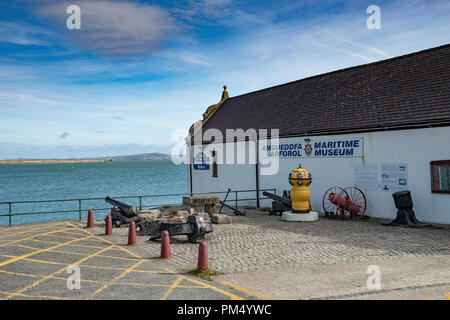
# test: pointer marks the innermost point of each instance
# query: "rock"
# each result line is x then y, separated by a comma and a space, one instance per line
221, 219
204, 215
150, 214
182, 213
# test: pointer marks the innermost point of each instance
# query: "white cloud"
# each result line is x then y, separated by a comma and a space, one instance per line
114, 27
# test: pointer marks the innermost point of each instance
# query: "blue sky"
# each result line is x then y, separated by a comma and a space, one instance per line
138, 71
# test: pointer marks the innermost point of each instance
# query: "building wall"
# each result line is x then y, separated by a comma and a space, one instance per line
416, 148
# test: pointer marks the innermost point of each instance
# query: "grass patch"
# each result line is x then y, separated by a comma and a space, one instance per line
206, 274
265, 209
249, 208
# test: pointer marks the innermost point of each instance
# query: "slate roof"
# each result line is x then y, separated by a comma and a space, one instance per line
409, 90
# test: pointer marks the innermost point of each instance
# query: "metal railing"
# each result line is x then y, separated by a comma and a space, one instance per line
79, 208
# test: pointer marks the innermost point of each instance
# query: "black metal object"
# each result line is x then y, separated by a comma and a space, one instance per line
195, 228
279, 204
405, 214
128, 210
235, 210
122, 213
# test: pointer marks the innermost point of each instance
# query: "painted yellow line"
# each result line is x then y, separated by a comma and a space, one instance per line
208, 286
32, 237
24, 246
172, 287
100, 255
63, 237
12, 234
247, 291
201, 284
44, 241
59, 271
36, 252
120, 276
39, 261
20, 274
110, 242
28, 275
88, 266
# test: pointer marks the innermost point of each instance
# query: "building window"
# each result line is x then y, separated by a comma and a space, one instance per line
214, 166
440, 176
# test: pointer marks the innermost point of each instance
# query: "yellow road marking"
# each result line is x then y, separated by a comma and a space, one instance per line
63, 237
36, 252
199, 284
29, 230
110, 242
19, 274
23, 246
59, 271
250, 292
38, 261
100, 255
120, 276
32, 237
208, 286
205, 285
89, 266
97, 281
172, 287
72, 245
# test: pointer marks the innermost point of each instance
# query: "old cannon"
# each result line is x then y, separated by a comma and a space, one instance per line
405, 213
122, 213
279, 204
338, 201
195, 228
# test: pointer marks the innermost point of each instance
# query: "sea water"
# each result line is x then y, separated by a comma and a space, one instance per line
24, 182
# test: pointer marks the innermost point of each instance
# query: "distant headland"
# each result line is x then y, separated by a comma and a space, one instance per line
136, 157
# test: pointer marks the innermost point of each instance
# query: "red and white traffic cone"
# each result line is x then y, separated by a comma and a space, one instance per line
132, 234
165, 245
90, 219
202, 263
108, 226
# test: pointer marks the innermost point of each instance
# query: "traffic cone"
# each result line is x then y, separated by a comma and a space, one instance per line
165, 245
90, 219
108, 226
202, 263
132, 234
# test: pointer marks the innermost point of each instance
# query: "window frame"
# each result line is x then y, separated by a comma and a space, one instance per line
438, 163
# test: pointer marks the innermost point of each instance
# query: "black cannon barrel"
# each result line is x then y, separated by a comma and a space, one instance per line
272, 196
129, 210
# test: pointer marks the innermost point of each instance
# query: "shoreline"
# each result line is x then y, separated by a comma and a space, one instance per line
52, 161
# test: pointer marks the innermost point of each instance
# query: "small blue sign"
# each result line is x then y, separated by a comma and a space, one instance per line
201, 162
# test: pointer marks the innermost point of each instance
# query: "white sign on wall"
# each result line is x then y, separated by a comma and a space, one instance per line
394, 176
314, 148
366, 177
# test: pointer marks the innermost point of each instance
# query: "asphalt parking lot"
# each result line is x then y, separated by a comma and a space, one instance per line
40, 261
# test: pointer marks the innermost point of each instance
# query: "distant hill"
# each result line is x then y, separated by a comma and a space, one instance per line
143, 157
135, 157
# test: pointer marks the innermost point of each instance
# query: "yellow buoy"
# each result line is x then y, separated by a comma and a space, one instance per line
300, 179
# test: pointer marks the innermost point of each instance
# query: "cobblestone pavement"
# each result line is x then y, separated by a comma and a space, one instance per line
258, 241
